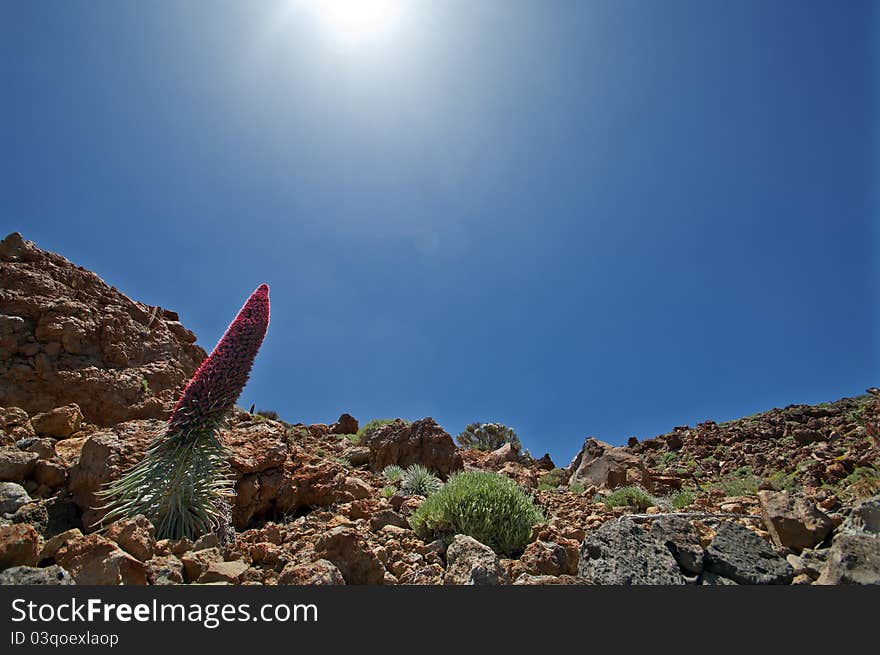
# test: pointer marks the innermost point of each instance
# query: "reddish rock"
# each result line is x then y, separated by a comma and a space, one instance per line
229, 572
499, 457
792, 520
422, 442
197, 562
256, 447
19, 545
321, 572
607, 467
58, 423
50, 473
95, 560
44, 447
105, 457
56, 543
346, 424
15, 464
550, 558
14, 421
66, 337
350, 553
134, 535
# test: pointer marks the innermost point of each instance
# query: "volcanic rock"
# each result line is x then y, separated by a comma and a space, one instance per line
793, 521
471, 563
422, 442
66, 337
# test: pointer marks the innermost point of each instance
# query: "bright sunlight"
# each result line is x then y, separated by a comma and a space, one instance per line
356, 21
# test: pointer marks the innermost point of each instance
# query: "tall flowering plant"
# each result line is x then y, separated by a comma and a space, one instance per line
183, 482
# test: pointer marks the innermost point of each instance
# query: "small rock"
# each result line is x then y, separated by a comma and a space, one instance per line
357, 455
164, 570
387, 517
19, 546
471, 563
499, 457
196, 563
60, 422
357, 487
134, 535
223, 572
350, 553
209, 540
51, 547
28, 575
50, 516
44, 447
50, 473
15, 464
527, 579
12, 496
95, 560
865, 516
320, 572
550, 558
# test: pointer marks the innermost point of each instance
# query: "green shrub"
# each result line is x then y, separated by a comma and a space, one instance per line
417, 480
629, 497
388, 491
576, 488
551, 480
487, 506
353, 438
667, 458
372, 426
682, 499
741, 482
487, 436
392, 473
267, 413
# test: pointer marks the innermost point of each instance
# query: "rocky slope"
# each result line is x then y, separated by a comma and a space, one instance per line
67, 337
788, 496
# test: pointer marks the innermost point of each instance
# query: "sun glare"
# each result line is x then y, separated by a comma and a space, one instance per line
356, 21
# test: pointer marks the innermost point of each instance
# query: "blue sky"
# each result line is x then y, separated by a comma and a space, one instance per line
576, 218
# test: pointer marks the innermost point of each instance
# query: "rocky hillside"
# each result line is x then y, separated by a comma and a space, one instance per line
67, 337
788, 496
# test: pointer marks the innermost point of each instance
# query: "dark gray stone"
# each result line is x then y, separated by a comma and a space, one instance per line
50, 516
622, 553
682, 540
740, 555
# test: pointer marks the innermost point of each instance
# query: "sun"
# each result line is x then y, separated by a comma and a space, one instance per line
356, 21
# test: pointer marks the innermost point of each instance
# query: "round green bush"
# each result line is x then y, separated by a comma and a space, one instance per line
489, 507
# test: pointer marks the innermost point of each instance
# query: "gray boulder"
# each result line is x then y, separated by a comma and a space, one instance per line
740, 555
471, 563
622, 553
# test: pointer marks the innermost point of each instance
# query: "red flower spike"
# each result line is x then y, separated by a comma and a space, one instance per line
220, 379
